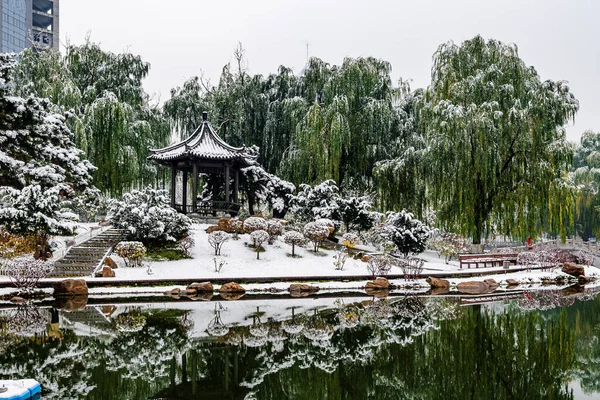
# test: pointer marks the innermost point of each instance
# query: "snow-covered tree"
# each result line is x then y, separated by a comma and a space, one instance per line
41, 170
216, 239
407, 233
356, 212
259, 237
252, 224
25, 272
267, 188
350, 240
147, 216
275, 229
316, 232
294, 239
586, 178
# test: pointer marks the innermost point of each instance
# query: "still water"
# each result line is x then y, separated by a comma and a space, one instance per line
530, 345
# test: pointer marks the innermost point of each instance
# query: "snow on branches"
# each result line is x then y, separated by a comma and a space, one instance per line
259, 237
254, 224
131, 252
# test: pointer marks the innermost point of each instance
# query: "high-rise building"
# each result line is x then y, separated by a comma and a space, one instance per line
29, 23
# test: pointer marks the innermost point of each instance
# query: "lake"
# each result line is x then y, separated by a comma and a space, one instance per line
540, 344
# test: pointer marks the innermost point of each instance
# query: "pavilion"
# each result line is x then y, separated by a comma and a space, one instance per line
204, 152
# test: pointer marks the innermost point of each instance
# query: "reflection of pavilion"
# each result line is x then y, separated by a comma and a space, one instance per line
204, 152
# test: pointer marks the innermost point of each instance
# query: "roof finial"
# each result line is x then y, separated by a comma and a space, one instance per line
204, 115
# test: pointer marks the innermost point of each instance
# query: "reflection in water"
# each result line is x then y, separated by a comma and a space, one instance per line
407, 347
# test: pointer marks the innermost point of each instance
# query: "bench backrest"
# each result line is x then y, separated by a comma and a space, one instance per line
495, 255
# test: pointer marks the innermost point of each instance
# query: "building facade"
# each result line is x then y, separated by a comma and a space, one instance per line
29, 23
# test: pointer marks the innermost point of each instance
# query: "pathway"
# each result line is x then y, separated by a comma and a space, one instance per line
82, 259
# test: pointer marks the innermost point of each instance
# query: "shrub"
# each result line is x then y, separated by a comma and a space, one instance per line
216, 240
236, 226
379, 265
275, 229
255, 224
407, 233
329, 223
185, 245
259, 237
320, 201
447, 244
13, 245
147, 217
25, 272
316, 232
339, 259
131, 252
294, 239
411, 267
350, 240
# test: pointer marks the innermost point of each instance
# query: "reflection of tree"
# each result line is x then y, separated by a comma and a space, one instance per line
27, 320
216, 327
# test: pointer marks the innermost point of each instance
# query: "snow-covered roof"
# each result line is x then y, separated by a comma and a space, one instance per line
203, 144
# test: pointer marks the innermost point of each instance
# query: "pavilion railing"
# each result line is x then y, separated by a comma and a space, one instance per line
210, 208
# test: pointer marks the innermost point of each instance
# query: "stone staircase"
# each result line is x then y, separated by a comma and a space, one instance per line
82, 259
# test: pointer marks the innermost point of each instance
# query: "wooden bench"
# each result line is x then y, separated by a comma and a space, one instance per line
495, 260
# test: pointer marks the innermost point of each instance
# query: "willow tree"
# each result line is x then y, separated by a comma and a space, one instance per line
497, 152
586, 176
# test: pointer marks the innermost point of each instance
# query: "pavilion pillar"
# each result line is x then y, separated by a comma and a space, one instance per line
236, 184
227, 192
184, 192
195, 188
173, 184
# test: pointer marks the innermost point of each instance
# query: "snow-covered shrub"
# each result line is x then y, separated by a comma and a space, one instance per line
327, 222
350, 240
131, 252
356, 212
294, 239
216, 240
320, 201
259, 237
130, 322
379, 265
25, 272
185, 245
316, 232
254, 224
275, 229
148, 217
406, 232
237, 226
446, 244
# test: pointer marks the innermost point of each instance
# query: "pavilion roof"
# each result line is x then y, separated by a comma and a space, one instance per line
203, 144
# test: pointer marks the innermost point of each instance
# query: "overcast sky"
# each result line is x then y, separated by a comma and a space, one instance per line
180, 38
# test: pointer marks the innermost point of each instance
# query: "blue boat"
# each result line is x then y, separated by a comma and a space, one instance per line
22, 389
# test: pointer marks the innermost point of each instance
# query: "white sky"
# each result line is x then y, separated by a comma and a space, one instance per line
182, 37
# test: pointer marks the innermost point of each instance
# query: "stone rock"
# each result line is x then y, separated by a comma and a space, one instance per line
212, 228
206, 296
17, 300
473, 287
224, 225
108, 310
437, 283
378, 293
302, 287
438, 291
232, 287
573, 269
111, 263
299, 294
190, 292
378, 284
231, 295
202, 287
107, 272
365, 258
491, 283
512, 282
572, 290
72, 303
70, 287
582, 279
